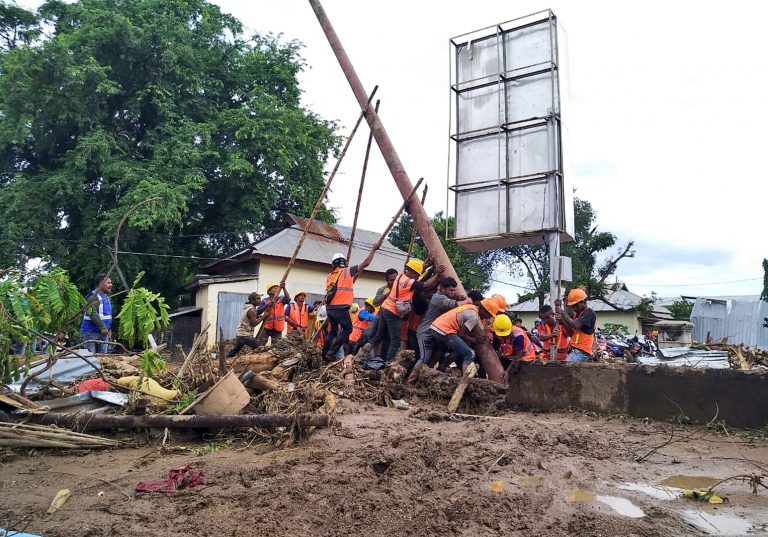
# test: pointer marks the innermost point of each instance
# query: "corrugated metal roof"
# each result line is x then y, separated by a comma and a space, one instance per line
620, 297
324, 240
739, 320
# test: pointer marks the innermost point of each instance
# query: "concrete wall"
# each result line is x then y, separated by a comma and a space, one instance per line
738, 397
303, 277
629, 319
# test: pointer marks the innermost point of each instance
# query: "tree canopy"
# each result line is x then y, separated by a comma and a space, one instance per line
105, 103
533, 261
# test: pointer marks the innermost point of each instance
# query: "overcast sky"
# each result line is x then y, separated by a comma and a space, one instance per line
667, 115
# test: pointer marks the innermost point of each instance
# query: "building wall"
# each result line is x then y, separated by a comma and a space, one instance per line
626, 318
303, 277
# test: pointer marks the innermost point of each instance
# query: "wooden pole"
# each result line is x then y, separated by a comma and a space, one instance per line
222, 357
365, 108
556, 340
89, 422
360, 191
413, 231
485, 352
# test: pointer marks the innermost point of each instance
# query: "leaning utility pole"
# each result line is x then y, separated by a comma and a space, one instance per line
487, 356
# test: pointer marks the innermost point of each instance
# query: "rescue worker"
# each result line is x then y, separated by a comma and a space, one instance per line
512, 341
444, 299
248, 321
274, 306
401, 295
319, 329
340, 293
97, 320
580, 326
381, 296
297, 314
453, 329
551, 334
362, 321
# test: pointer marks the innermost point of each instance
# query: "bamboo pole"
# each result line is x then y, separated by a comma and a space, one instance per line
360, 191
413, 231
365, 108
485, 353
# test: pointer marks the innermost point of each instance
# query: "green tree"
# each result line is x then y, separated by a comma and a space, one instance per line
681, 310
123, 100
532, 262
764, 294
474, 269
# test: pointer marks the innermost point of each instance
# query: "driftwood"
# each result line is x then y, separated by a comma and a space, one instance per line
453, 404
261, 382
105, 421
26, 435
199, 341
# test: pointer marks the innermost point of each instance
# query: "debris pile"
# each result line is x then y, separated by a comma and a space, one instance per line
739, 356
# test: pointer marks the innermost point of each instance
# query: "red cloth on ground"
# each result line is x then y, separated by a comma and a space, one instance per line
178, 479
98, 385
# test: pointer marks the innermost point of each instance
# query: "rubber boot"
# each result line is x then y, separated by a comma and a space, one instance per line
364, 352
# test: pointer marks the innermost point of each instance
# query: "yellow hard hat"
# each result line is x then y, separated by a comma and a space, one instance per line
369, 301
301, 293
501, 301
270, 286
576, 295
416, 265
490, 306
502, 325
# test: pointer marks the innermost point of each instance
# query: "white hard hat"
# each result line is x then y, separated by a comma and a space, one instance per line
338, 255
322, 315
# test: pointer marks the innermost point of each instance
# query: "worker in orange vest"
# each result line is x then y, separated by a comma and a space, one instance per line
340, 293
297, 314
453, 329
580, 326
550, 334
362, 321
513, 341
274, 306
397, 307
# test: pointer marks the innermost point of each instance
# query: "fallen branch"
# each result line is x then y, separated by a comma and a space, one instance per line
27, 435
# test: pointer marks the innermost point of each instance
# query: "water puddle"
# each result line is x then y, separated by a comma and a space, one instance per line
690, 481
658, 492
717, 524
621, 505
530, 480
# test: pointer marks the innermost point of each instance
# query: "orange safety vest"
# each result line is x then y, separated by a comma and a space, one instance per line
401, 290
358, 327
345, 291
529, 352
276, 321
321, 337
562, 342
300, 316
448, 322
580, 340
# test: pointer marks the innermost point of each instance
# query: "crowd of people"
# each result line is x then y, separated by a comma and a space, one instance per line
416, 308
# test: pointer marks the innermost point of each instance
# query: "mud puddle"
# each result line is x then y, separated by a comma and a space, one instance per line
622, 506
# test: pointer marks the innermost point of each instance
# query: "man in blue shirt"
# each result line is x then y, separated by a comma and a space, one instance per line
97, 321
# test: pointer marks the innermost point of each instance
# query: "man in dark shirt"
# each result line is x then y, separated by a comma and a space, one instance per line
580, 327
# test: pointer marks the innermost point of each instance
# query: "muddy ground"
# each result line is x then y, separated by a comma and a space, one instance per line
381, 471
